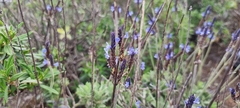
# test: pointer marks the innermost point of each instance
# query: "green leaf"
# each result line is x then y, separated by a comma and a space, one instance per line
9, 69
5, 95
1, 76
8, 65
21, 38
4, 38
8, 49
16, 76
231, 4
49, 74
23, 86
20, 25
49, 89
9, 61
1, 23
2, 56
1, 95
27, 69
29, 80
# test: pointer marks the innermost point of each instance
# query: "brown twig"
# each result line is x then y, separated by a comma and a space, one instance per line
139, 55
33, 60
183, 89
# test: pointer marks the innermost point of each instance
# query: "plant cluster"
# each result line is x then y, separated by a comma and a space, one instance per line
121, 54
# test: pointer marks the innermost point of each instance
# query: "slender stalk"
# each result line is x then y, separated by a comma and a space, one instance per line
114, 94
177, 71
139, 55
148, 33
33, 60
195, 71
159, 66
183, 89
93, 52
165, 22
63, 77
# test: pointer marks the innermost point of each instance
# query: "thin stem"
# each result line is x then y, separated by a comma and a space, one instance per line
178, 70
159, 66
93, 52
148, 33
33, 60
62, 77
114, 94
183, 89
165, 22
139, 55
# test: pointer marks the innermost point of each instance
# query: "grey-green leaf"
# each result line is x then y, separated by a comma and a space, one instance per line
8, 49
49, 89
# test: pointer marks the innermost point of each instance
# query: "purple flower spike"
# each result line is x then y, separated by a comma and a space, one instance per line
198, 31
132, 51
168, 46
48, 7
119, 9
128, 83
196, 101
44, 51
156, 10
45, 62
191, 100
174, 9
106, 55
59, 9
123, 65
181, 46
135, 36
106, 49
207, 12
113, 42
211, 36
137, 1
188, 48
169, 55
233, 92
138, 104
169, 36
156, 56
47, 44
126, 35
112, 8
56, 64
130, 13
148, 30
142, 66
136, 19
117, 39
169, 85
235, 35
150, 22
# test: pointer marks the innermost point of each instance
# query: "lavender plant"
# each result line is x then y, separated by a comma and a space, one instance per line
148, 59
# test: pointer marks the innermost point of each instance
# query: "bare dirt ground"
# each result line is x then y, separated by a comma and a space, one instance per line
213, 59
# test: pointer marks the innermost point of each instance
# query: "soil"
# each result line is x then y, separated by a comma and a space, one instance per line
215, 55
